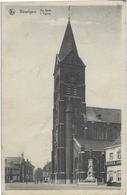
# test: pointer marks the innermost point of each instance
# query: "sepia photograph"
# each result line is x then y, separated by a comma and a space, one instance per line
62, 96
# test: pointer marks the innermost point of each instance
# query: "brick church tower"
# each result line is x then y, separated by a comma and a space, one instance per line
69, 107
79, 132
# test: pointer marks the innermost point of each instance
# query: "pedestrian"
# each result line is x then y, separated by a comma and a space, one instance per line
109, 182
26, 179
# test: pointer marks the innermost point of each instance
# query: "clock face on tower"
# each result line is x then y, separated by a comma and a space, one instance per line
71, 78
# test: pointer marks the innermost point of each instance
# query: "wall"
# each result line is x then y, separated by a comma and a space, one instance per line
103, 130
113, 164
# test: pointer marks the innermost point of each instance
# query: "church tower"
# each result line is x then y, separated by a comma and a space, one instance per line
69, 107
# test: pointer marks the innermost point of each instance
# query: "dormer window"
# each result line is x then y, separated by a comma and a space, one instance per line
99, 116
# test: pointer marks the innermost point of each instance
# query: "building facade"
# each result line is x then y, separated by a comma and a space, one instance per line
79, 132
47, 170
12, 169
38, 175
113, 162
17, 169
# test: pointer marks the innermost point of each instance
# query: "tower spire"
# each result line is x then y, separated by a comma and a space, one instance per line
69, 13
68, 43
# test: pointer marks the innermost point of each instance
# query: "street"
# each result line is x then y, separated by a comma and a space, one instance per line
48, 186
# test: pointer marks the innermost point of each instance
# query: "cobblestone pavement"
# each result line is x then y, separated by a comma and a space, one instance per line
48, 186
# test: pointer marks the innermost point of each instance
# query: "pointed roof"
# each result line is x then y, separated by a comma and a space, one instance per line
68, 43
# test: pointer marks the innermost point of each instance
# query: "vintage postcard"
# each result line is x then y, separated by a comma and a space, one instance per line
63, 91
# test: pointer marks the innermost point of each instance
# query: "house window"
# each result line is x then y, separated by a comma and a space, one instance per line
119, 154
111, 175
111, 156
119, 175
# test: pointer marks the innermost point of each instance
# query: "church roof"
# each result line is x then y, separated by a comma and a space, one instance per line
115, 143
68, 43
108, 115
95, 145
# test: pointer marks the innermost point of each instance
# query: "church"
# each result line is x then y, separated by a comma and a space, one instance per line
80, 133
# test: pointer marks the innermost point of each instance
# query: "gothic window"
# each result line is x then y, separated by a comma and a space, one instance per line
57, 113
96, 130
105, 133
56, 86
62, 136
56, 136
62, 160
76, 163
99, 133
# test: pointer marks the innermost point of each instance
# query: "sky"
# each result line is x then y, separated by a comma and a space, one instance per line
31, 42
